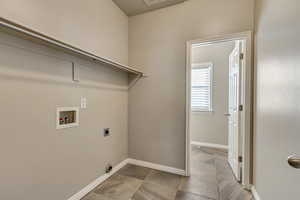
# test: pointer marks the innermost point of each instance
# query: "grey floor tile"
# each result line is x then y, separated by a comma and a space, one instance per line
164, 179
134, 171
208, 159
200, 168
94, 196
150, 191
119, 187
226, 188
189, 196
211, 179
197, 185
233, 191
229, 188
224, 172
240, 194
204, 176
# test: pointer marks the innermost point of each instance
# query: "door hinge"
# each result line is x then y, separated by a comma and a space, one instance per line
240, 159
241, 56
241, 176
241, 107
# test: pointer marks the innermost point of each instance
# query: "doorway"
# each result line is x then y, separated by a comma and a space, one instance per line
235, 123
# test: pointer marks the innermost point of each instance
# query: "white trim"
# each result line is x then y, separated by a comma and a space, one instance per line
157, 166
204, 144
254, 193
79, 195
248, 101
188, 109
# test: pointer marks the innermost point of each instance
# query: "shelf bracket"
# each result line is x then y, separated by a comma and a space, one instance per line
135, 79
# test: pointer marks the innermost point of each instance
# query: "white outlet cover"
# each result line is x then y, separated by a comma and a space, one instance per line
83, 103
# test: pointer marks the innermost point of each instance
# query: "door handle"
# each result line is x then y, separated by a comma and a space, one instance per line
294, 161
227, 114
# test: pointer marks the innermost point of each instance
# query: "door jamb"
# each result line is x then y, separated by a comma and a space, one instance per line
246, 114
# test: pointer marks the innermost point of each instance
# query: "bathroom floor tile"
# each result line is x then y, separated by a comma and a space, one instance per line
164, 179
211, 179
190, 196
94, 196
134, 171
119, 187
198, 185
150, 191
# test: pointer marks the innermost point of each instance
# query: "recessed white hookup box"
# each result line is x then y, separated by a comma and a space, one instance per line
67, 117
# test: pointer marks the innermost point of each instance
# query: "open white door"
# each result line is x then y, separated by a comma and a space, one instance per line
233, 109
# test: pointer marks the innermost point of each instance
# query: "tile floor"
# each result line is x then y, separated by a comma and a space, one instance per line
208, 181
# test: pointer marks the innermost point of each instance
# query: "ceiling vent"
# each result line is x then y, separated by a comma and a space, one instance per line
154, 2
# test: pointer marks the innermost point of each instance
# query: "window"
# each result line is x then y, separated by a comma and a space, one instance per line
201, 91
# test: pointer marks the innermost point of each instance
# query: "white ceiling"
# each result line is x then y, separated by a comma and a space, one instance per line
134, 7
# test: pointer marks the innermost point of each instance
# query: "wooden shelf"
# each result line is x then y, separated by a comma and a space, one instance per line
41, 38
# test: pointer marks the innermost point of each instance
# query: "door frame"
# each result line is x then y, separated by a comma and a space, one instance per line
246, 95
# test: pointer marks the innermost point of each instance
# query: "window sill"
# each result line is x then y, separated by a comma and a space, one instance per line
202, 111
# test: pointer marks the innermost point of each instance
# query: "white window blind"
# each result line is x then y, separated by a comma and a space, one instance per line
201, 87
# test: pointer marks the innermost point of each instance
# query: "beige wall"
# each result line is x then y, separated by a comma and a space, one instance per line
38, 161
97, 26
157, 45
277, 107
211, 127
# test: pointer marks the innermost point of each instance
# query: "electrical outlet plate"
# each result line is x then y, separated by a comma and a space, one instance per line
106, 132
108, 168
83, 103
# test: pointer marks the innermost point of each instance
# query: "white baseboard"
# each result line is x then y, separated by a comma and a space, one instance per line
203, 144
102, 178
157, 166
254, 193
98, 181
